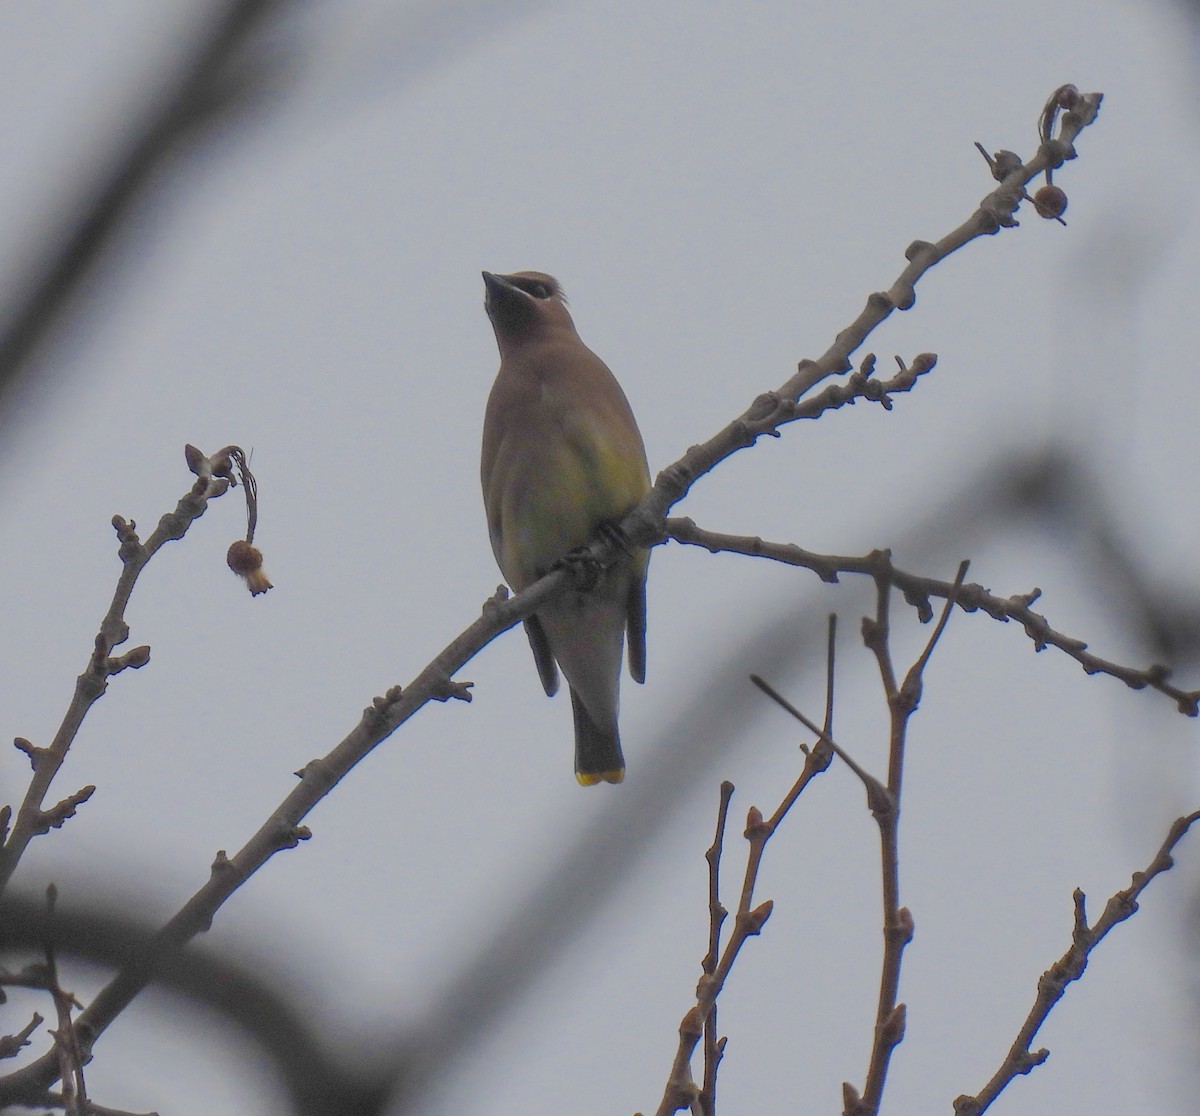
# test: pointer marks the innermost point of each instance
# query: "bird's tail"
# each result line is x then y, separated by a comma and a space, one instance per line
598, 756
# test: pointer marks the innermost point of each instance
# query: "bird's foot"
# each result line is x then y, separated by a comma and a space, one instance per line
581, 567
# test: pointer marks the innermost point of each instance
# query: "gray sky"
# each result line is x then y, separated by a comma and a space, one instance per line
718, 187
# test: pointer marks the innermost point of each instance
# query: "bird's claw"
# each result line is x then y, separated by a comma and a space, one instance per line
581, 567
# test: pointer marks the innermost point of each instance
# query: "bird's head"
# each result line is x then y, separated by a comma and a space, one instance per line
525, 304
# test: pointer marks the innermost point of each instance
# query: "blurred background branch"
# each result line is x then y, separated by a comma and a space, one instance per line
216, 83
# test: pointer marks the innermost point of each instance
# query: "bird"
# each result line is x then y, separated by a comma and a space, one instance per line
562, 461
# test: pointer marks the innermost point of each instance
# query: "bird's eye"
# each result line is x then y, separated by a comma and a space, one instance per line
539, 290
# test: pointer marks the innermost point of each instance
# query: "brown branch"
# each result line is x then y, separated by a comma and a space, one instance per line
681, 1090
897, 922
701, 1019
920, 591
903, 701
714, 1046
884, 804
282, 830
1053, 984
66, 1041
32, 818
12, 1045
774, 409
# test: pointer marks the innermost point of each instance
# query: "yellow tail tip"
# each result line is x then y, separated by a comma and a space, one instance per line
591, 778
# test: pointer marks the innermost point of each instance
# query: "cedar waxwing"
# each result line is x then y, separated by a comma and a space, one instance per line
562, 458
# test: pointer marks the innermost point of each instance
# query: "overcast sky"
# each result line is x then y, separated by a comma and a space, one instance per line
718, 187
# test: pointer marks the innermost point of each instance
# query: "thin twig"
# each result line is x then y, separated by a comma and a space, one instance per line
66, 1044
772, 410
830, 674
681, 1091
1053, 984
919, 591
903, 701
714, 1046
32, 817
824, 740
12, 1045
884, 804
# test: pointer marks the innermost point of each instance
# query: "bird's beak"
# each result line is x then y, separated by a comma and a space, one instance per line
505, 303
496, 285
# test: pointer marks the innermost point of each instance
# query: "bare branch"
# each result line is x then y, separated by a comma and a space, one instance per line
66, 1042
884, 803
11, 1045
714, 1046
919, 591
1053, 984
824, 741
681, 1090
774, 409
903, 701
32, 819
